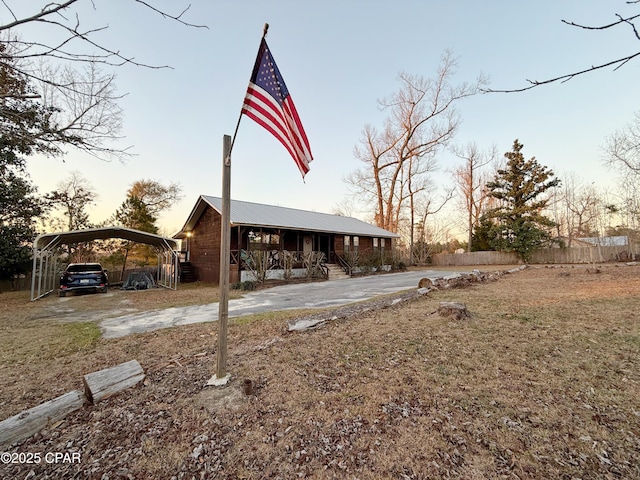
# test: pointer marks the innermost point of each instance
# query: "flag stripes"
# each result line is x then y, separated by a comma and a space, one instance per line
283, 123
269, 104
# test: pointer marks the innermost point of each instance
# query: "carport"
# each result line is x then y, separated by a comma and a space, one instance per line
45, 255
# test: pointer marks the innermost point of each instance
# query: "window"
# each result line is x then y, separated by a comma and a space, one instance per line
260, 240
255, 239
347, 242
272, 239
356, 243
375, 242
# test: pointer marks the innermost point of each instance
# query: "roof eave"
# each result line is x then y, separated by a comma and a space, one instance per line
313, 230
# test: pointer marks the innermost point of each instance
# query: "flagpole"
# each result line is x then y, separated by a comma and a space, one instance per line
233, 139
222, 377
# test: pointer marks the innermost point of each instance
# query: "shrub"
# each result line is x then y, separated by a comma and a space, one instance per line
247, 285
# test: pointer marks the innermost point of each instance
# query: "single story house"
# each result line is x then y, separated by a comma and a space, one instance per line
275, 229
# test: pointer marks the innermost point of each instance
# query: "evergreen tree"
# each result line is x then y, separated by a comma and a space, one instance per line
20, 119
517, 223
480, 240
19, 209
134, 213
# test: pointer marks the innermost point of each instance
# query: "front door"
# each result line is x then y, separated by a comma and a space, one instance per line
307, 244
324, 246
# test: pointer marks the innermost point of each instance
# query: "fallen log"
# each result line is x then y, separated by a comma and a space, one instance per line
29, 422
104, 383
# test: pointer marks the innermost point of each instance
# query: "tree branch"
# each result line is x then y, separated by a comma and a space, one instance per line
603, 27
177, 18
619, 63
46, 108
565, 78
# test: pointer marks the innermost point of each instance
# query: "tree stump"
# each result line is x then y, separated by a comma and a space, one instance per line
457, 311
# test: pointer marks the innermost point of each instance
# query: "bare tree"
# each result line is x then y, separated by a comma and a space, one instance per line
155, 196
344, 208
628, 194
424, 209
581, 205
431, 234
471, 180
628, 22
64, 76
421, 121
622, 148
73, 195
70, 200
622, 154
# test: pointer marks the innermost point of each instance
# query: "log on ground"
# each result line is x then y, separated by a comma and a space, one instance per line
29, 422
104, 383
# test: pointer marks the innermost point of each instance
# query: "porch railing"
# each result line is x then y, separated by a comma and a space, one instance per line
277, 260
344, 264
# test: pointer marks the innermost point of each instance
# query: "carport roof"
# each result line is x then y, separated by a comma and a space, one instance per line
52, 240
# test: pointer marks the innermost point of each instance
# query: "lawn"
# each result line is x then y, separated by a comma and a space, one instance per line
543, 381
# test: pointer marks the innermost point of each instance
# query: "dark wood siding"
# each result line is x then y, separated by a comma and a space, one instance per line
366, 245
204, 247
339, 245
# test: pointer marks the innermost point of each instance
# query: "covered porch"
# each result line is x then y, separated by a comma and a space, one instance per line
284, 238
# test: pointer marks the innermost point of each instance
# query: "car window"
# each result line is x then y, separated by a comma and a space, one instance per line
90, 267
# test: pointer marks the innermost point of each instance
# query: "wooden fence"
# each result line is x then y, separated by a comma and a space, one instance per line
21, 283
543, 256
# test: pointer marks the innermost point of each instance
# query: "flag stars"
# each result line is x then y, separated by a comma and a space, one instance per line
269, 104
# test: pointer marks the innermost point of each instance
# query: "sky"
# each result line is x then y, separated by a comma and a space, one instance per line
338, 57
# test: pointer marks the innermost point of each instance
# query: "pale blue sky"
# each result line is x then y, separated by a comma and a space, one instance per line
337, 58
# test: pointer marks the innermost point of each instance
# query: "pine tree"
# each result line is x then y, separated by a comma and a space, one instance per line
517, 223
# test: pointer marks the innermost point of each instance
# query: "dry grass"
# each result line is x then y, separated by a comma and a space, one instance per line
542, 382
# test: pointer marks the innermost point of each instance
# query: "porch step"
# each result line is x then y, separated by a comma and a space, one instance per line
336, 272
187, 273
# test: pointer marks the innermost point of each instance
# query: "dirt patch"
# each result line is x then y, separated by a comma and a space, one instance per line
215, 400
541, 382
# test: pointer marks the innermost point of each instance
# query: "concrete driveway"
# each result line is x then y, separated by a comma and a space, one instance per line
332, 293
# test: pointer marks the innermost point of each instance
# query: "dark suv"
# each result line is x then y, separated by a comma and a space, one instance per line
89, 277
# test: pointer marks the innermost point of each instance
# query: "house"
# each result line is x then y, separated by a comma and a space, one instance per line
612, 248
611, 241
278, 230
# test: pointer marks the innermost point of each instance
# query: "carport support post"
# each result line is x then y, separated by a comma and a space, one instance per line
222, 377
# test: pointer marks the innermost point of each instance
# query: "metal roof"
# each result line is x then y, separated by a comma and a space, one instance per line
52, 240
611, 241
270, 216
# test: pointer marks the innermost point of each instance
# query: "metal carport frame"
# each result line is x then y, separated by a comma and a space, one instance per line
45, 260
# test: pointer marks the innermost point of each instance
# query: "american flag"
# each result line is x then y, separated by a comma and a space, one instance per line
268, 102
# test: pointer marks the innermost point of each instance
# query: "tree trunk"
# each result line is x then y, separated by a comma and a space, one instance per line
457, 311
31, 421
